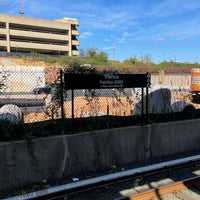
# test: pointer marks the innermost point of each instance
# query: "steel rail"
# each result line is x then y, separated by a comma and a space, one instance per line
173, 188
106, 179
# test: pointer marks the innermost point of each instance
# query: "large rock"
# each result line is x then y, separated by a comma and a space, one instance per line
11, 113
159, 100
182, 106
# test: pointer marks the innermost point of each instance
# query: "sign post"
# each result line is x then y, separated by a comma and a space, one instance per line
108, 81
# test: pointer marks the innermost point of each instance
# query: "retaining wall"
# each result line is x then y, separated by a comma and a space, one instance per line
176, 81
25, 162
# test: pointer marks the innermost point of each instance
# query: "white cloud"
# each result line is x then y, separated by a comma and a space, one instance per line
160, 39
119, 23
108, 48
86, 34
107, 40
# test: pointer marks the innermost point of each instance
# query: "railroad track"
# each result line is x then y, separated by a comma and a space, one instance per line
68, 190
188, 189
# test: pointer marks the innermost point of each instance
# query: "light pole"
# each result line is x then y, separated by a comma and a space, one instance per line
141, 57
163, 56
196, 59
113, 52
175, 58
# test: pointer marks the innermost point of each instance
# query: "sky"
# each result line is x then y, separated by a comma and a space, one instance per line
164, 30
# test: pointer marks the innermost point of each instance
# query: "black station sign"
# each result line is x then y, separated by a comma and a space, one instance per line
105, 81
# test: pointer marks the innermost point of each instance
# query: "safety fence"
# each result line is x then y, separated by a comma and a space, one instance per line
40, 98
40, 101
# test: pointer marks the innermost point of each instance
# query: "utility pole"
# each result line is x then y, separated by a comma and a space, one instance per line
20, 9
113, 52
163, 56
175, 58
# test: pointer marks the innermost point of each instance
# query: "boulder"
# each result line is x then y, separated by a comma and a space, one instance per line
11, 113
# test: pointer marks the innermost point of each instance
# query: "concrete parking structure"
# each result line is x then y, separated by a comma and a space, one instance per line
22, 34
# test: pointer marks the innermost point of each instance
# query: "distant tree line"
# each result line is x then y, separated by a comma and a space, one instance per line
99, 59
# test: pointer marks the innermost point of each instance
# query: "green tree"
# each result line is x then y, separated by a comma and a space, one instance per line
131, 61
76, 68
102, 57
91, 53
146, 59
96, 57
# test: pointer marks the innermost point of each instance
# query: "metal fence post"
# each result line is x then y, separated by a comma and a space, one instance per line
142, 107
61, 95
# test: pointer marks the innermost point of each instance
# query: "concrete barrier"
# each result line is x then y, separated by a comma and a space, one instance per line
55, 157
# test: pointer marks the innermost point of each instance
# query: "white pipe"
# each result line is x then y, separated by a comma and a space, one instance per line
104, 178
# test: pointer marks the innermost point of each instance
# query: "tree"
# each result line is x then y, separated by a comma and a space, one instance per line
146, 59
96, 56
91, 53
131, 61
102, 57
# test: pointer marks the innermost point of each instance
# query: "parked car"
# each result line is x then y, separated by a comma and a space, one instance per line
43, 90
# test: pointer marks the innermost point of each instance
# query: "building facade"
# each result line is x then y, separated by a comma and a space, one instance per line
22, 34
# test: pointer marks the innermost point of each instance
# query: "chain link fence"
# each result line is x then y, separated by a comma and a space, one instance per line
39, 95
98, 102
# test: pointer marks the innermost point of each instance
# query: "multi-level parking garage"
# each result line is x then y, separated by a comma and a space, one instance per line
22, 34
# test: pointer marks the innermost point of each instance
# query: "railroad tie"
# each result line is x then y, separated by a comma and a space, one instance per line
182, 195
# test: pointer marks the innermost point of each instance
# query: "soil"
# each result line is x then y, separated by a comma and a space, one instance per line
83, 108
96, 107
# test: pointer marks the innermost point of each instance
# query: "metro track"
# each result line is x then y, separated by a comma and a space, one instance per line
178, 190
63, 191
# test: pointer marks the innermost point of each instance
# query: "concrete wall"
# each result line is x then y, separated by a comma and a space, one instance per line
175, 81
62, 156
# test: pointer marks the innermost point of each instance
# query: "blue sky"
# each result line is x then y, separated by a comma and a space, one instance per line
162, 29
